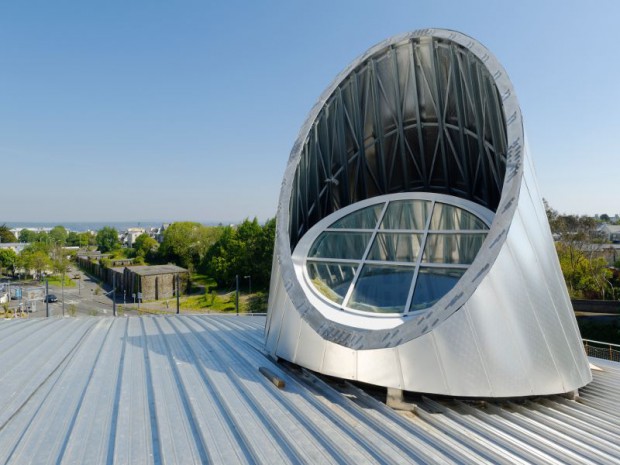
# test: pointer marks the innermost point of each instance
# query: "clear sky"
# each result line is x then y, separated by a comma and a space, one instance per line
187, 110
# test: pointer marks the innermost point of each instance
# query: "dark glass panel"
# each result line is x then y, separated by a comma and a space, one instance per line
347, 245
382, 289
452, 248
366, 218
331, 279
406, 214
449, 217
432, 284
396, 247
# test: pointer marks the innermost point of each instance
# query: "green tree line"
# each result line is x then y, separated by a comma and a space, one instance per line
587, 274
220, 252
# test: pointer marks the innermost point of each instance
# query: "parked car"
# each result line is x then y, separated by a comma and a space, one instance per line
50, 298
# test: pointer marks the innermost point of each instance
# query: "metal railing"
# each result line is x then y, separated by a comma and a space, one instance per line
603, 350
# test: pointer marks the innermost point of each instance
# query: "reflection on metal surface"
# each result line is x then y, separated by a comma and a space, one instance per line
412, 247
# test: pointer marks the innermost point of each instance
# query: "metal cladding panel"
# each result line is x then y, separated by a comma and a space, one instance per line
380, 367
506, 328
277, 293
310, 348
535, 222
288, 336
525, 346
462, 358
421, 365
500, 336
557, 319
339, 361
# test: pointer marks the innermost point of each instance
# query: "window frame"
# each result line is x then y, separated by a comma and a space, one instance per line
301, 258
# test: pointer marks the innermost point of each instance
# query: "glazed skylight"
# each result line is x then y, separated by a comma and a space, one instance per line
394, 257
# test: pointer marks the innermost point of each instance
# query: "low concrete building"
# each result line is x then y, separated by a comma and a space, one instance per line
153, 282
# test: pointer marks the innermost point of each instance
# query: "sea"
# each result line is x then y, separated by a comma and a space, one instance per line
87, 226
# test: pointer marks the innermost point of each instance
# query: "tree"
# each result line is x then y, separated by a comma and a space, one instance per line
245, 251
145, 245
588, 278
107, 239
73, 239
586, 274
187, 243
8, 259
6, 236
26, 235
87, 238
34, 259
83, 239
58, 235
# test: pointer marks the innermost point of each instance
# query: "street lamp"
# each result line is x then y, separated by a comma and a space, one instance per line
249, 284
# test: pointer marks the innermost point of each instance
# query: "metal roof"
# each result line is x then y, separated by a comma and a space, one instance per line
148, 270
187, 389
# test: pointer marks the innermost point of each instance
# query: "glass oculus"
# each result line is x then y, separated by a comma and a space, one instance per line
397, 255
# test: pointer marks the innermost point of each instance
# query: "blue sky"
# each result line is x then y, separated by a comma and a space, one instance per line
187, 110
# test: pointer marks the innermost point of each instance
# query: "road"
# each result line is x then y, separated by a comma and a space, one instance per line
87, 298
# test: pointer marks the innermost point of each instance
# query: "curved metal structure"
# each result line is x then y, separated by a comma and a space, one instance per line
412, 246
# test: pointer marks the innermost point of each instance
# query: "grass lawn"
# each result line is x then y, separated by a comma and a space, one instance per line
216, 302
57, 281
203, 280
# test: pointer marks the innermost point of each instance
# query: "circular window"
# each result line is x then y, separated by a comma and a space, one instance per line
395, 256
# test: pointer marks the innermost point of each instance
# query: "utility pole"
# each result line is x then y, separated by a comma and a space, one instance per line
47, 301
250, 283
63, 290
237, 294
178, 295
113, 293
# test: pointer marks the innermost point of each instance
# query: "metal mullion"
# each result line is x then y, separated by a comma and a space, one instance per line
307, 182
386, 135
358, 123
417, 115
488, 135
399, 117
332, 260
482, 102
448, 138
342, 148
402, 231
303, 191
347, 296
316, 183
377, 127
419, 261
459, 231
407, 86
440, 114
497, 135
350, 230
474, 78
460, 113
455, 266
391, 263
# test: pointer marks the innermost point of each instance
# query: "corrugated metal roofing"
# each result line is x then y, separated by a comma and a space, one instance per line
187, 389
